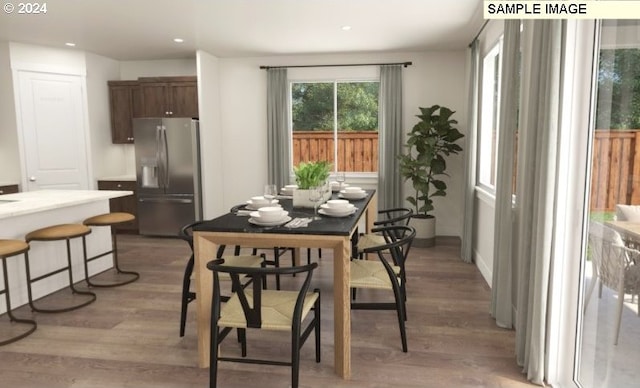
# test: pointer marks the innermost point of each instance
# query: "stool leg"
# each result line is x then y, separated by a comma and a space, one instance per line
30, 322
114, 252
71, 285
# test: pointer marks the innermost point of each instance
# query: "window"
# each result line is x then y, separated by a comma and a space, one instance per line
490, 103
336, 121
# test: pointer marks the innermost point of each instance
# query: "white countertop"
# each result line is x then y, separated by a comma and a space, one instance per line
118, 178
36, 201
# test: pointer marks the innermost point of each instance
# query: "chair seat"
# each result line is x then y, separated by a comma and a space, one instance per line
58, 232
277, 309
109, 219
370, 240
12, 247
370, 274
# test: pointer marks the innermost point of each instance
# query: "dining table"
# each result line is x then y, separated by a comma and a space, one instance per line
629, 231
333, 233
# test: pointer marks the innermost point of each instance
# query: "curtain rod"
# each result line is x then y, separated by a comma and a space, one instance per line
405, 64
479, 32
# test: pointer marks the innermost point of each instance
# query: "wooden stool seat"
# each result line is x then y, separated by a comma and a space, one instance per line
10, 248
58, 232
109, 219
62, 232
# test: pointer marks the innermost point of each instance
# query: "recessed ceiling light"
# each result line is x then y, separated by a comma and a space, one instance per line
178, 40
70, 44
346, 28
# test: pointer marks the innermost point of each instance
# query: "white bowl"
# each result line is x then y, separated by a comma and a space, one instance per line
290, 187
353, 189
260, 200
271, 213
354, 195
350, 208
338, 203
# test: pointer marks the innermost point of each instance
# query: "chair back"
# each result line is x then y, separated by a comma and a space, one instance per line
186, 233
607, 251
398, 243
251, 301
395, 216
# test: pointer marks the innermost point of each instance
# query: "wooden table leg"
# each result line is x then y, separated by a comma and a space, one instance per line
342, 308
205, 250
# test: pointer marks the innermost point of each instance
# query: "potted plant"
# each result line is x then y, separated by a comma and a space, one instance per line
310, 174
430, 141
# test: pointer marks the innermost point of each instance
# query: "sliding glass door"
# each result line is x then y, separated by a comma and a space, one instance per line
609, 343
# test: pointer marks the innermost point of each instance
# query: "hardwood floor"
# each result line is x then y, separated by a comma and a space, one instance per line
129, 336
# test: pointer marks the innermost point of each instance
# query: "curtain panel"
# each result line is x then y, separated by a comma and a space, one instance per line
390, 136
470, 153
502, 280
279, 160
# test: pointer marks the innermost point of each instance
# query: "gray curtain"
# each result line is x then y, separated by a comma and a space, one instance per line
279, 162
502, 279
538, 156
470, 154
390, 137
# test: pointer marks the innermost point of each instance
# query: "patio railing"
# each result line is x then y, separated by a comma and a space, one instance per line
357, 151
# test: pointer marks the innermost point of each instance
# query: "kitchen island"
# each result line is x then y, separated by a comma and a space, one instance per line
22, 213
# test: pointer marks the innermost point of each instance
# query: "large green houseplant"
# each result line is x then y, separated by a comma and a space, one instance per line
431, 140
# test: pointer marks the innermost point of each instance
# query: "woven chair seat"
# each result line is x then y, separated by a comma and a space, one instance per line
58, 232
370, 274
240, 261
369, 241
109, 219
12, 247
277, 309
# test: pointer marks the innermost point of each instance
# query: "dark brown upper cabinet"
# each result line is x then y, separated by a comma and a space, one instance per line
169, 96
125, 103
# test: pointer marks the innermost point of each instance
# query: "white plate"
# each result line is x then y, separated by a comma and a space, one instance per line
339, 215
352, 195
272, 223
251, 206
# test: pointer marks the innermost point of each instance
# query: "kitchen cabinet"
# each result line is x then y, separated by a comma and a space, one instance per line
128, 204
8, 189
169, 96
125, 104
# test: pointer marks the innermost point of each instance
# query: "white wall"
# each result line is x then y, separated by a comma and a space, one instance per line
131, 70
434, 78
9, 155
108, 159
211, 136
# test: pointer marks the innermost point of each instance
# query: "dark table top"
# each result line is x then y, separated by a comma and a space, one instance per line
340, 226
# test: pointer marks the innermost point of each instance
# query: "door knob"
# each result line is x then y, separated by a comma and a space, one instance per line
32, 179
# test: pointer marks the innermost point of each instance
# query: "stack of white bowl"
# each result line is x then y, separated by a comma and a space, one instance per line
269, 215
337, 208
260, 201
353, 192
336, 186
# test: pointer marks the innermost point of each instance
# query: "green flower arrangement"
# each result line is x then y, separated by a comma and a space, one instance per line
310, 174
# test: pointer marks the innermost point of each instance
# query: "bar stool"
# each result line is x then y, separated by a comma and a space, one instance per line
10, 248
110, 219
58, 233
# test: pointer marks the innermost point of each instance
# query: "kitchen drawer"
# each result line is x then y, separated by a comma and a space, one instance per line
128, 204
9, 189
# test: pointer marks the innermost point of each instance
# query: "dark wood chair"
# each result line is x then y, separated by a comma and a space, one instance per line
256, 308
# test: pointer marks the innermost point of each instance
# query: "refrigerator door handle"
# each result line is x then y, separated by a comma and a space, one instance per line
166, 156
164, 199
159, 156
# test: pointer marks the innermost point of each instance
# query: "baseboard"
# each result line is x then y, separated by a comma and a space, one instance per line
487, 273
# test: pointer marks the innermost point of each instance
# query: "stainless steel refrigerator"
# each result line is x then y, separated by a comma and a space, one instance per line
168, 174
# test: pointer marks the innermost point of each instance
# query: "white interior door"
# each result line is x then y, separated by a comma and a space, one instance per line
52, 121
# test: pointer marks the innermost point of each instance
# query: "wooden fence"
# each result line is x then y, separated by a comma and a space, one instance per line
615, 174
357, 151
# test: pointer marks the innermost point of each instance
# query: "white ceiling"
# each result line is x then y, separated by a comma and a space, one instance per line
144, 29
